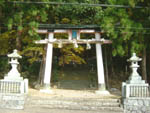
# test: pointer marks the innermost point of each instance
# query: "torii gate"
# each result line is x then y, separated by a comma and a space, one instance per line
73, 32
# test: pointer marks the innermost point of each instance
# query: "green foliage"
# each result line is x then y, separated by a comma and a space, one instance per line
7, 42
4, 66
34, 53
69, 54
124, 26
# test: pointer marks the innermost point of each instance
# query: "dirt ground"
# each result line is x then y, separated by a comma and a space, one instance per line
73, 94
46, 110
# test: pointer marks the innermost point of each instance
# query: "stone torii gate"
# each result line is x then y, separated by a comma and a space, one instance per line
73, 32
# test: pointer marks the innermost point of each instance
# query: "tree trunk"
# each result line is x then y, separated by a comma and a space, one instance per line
106, 67
18, 41
42, 70
41, 73
18, 46
0, 17
111, 65
144, 73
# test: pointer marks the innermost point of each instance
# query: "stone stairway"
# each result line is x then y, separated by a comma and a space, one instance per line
101, 105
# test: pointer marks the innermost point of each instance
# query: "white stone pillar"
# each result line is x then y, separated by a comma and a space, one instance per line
70, 35
100, 68
22, 87
26, 82
78, 35
48, 65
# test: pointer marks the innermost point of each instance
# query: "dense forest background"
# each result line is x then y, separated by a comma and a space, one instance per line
125, 22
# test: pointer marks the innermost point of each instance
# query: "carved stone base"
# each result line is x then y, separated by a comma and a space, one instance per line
101, 87
46, 89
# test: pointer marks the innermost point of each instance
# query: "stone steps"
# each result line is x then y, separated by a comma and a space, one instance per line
105, 105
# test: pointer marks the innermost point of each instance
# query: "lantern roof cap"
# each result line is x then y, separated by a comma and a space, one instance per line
14, 54
134, 58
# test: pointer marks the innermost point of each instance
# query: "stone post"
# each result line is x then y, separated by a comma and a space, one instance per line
100, 68
26, 81
48, 65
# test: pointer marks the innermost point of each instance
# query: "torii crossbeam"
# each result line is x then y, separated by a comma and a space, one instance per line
73, 32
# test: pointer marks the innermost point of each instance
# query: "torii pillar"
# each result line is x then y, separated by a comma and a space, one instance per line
48, 65
100, 67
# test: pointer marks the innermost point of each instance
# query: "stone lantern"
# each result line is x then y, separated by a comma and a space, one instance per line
13, 74
134, 86
13, 88
134, 77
